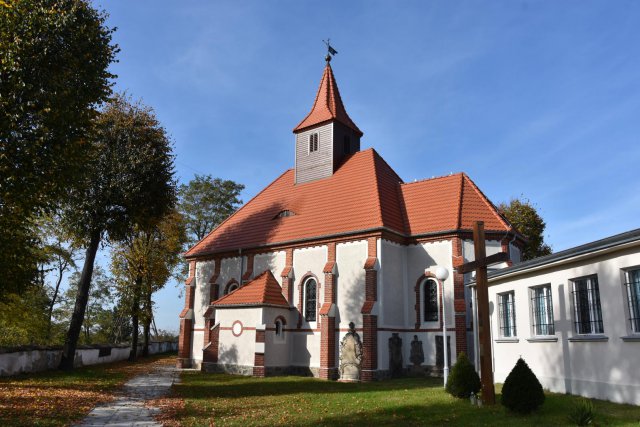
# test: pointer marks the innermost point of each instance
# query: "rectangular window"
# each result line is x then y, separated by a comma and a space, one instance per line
507, 313
542, 311
313, 142
586, 303
633, 299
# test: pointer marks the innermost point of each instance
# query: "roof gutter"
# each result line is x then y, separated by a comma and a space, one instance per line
345, 234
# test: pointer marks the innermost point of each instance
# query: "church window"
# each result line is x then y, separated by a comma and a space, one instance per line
279, 330
542, 310
586, 305
507, 313
310, 300
313, 142
430, 300
347, 144
633, 299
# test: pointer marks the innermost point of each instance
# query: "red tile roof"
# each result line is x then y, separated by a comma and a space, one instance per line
328, 105
448, 203
363, 194
263, 290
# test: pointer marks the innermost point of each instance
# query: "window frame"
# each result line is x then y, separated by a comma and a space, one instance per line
305, 300
282, 336
423, 300
537, 326
633, 307
593, 309
314, 137
507, 330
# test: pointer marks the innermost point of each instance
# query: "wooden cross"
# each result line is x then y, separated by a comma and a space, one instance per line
484, 331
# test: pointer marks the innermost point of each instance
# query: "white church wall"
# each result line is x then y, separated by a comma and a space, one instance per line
197, 344
273, 261
597, 369
229, 269
350, 289
429, 256
515, 253
277, 350
492, 247
392, 289
306, 344
237, 344
204, 271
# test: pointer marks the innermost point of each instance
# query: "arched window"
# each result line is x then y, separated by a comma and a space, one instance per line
231, 286
430, 300
310, 300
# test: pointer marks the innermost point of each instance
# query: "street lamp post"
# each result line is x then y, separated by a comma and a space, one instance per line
441, 274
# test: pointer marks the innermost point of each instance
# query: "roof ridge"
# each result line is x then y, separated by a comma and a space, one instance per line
460, 199
377, 184
237, 211
432, 178
489, 203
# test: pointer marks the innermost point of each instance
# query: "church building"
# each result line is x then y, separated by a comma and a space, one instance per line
337, 246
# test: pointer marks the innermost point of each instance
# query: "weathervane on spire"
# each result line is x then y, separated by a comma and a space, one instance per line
330, 51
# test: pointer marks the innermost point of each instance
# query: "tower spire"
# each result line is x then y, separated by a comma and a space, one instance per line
328, 105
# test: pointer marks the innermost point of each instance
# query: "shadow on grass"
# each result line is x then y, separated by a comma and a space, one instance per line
232, 400
198, 385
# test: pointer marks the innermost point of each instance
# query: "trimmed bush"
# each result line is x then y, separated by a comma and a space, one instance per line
463, 379
522, 392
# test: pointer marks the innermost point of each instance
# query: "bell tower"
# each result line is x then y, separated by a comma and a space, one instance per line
326, 135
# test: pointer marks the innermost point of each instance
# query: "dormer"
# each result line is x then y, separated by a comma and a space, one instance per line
326, 135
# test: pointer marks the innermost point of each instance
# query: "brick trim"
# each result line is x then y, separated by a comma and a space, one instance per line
459, 303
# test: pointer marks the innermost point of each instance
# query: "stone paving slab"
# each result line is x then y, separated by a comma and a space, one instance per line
129, 410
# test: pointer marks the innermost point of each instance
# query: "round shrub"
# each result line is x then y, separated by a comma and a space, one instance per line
522, 392
463, 379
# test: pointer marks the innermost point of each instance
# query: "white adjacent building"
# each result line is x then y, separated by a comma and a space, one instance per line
574, 316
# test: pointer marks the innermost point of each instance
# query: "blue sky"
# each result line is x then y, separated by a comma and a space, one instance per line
535, 99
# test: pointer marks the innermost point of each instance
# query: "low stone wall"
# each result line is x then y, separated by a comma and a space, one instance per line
35, 359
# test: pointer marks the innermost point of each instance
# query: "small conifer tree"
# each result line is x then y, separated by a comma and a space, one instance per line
463, 379
522, 392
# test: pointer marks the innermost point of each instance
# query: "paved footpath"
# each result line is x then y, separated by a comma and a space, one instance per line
129, 409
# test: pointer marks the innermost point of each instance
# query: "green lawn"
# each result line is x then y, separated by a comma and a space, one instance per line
56, 398
210, 399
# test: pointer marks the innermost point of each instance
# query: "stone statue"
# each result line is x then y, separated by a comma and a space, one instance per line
417, 354
350, 355
395, 355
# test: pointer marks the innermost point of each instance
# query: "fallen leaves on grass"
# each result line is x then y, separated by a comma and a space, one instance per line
169, 408
57, 398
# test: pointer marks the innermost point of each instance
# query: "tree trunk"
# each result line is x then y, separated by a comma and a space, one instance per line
147, 323
135, 310
71, 340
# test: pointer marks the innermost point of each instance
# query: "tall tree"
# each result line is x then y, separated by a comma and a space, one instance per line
523, 215
205, 202
128, 183
142, 264
54, 59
